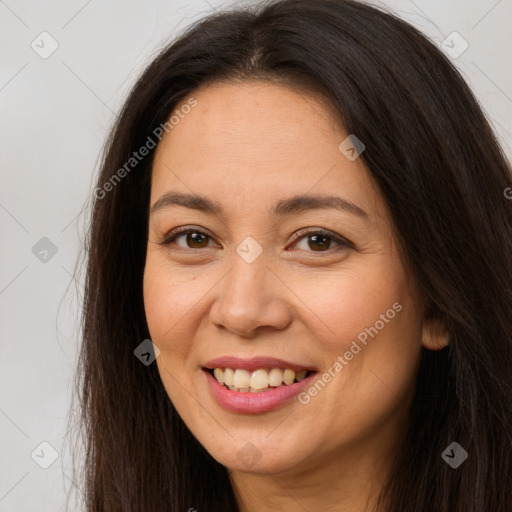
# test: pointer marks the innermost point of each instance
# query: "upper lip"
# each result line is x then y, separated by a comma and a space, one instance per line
255, 363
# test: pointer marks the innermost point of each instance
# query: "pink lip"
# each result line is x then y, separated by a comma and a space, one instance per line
254, 364
254, 403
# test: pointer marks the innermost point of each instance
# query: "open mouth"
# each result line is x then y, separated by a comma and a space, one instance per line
257, 381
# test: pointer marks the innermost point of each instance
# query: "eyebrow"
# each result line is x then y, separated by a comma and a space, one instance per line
295, 204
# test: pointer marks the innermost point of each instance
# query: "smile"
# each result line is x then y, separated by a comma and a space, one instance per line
258, 381
251, 386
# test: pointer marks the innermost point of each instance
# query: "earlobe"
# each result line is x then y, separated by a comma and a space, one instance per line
435, 335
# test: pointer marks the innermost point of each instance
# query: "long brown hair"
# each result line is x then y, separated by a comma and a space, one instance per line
440, 171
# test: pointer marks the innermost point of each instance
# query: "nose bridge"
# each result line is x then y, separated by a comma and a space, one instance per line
251, 296
246, 289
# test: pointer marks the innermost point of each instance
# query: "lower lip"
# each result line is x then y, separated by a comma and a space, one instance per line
254, 403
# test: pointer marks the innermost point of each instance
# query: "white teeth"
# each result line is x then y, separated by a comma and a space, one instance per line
288, 377
241, 379
258, 380
275, 377
219, 375
228, 376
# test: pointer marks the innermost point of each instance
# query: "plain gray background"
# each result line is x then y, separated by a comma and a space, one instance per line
55, 114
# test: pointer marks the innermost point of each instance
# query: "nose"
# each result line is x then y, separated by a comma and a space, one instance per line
251, 298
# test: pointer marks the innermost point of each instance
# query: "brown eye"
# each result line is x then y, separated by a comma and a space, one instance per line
194, 239
319, 241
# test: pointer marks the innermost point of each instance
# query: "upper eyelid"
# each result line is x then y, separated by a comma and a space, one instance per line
301, 233
298, 235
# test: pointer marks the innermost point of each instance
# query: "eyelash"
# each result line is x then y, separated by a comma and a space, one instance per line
343, 243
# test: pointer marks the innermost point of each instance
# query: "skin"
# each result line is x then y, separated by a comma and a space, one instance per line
246, 146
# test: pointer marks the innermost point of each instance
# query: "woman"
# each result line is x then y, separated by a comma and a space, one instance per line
299, 276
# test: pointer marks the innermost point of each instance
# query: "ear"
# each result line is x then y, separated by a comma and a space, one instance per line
435, 335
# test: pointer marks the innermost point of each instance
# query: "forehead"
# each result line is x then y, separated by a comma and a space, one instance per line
255, 143
248, 116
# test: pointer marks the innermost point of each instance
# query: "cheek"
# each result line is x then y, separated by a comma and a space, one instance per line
168, 297
175, 303
342, 305
168, 303
370, 318
159, 294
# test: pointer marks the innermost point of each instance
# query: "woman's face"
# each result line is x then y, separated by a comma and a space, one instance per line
265, 164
